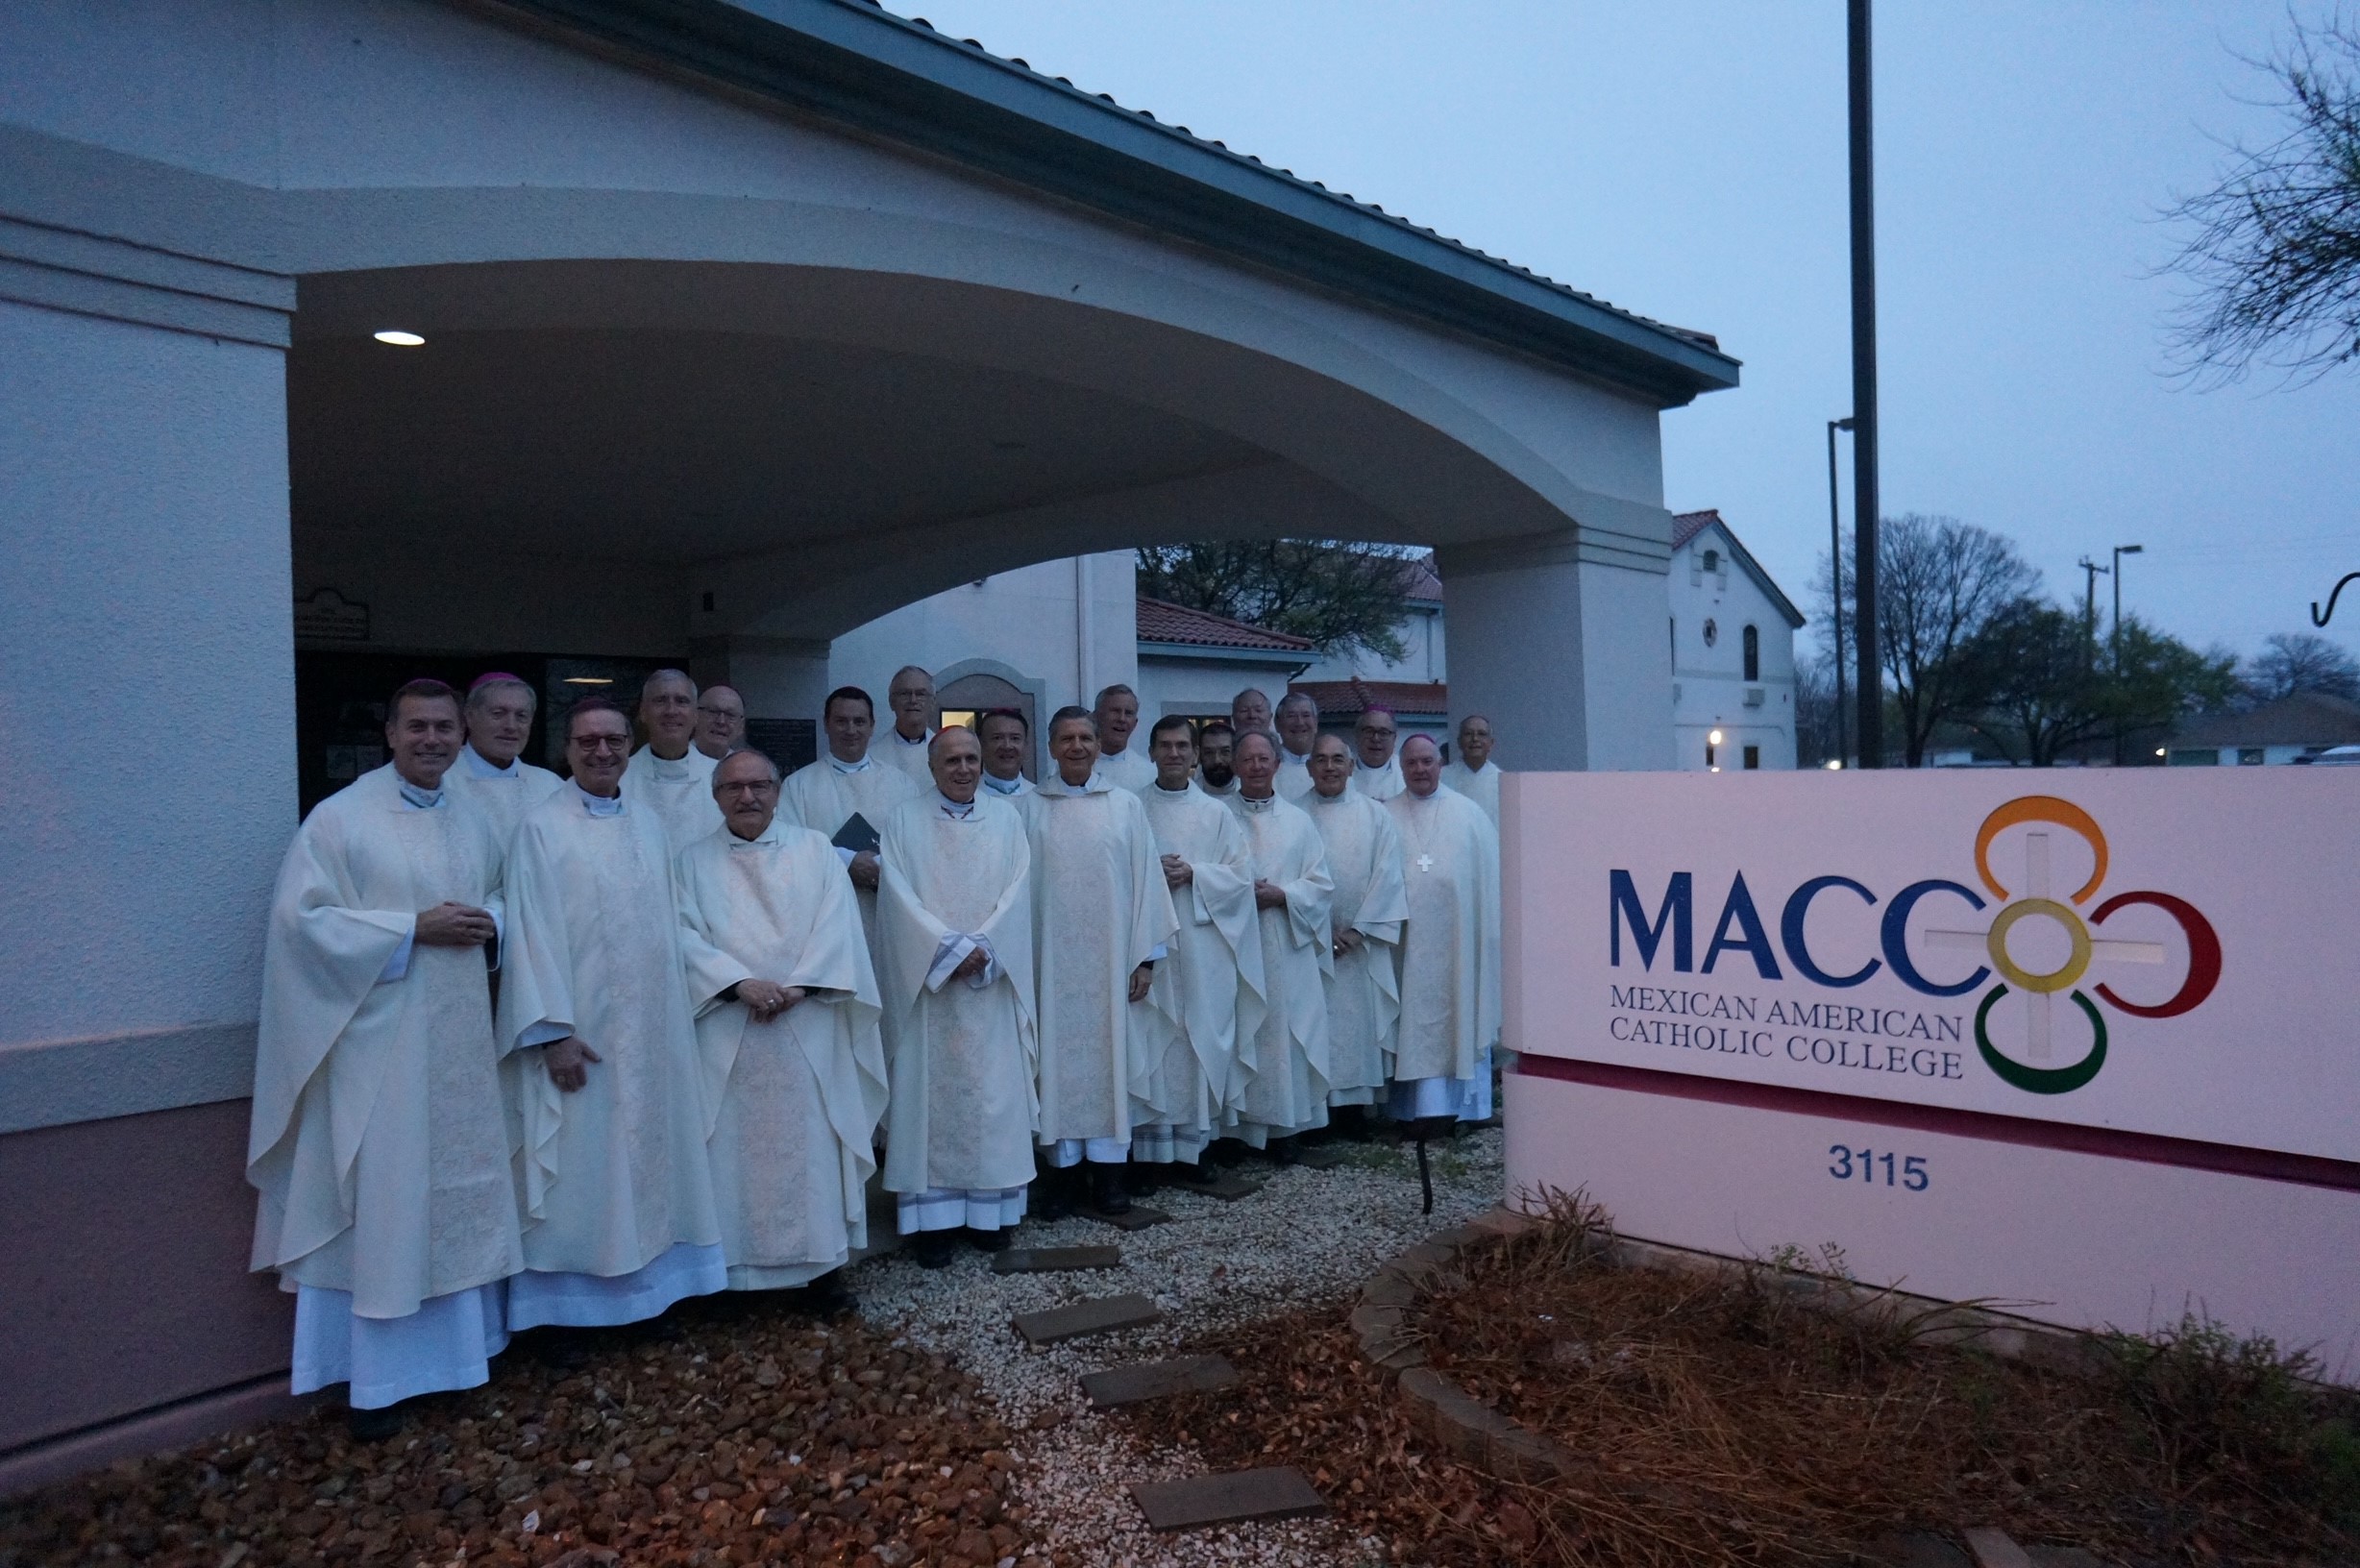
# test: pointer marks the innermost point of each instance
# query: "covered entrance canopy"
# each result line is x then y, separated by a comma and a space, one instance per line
743, 325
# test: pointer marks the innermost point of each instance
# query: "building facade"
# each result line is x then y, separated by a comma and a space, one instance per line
1732, 653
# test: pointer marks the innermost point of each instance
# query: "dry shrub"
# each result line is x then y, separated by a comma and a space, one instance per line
1753, 1416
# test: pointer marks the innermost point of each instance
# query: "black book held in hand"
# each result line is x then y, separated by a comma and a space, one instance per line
856, 834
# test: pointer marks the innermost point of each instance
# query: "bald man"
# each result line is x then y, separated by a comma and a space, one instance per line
1472, 773
721, 722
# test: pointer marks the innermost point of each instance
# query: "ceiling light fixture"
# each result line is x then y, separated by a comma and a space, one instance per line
399, 340
589, 680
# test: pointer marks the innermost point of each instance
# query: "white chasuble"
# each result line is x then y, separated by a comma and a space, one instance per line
1481, 785
1378, 783
1286, 1059
680, 793
1450, 953
1101, 909
1126, 769
502, 793
1364, 991
791, 1105
1293, 780
907, 758
1209, 990
614, 1173
962, 1053
825, 795
377, 1141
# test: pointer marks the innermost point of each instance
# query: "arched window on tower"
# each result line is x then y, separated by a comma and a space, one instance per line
1752, 653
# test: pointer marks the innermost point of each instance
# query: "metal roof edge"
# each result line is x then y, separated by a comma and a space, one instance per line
854, 62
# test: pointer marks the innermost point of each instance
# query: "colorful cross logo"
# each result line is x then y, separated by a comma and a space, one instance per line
2084, 949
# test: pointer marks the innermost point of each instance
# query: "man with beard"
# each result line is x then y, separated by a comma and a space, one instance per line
1217, 760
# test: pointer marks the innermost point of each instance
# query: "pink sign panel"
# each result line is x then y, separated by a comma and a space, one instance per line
2100, 983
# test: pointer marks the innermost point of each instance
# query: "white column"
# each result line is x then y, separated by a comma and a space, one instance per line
1561, 641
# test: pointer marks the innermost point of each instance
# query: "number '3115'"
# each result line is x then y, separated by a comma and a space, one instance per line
1871, 1166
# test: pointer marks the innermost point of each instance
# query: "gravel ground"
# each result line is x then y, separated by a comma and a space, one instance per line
924, 1432
1306, 1236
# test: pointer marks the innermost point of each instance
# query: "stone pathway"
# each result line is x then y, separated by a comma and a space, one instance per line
1298, 1236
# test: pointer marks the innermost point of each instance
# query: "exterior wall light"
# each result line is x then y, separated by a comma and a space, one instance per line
399, 340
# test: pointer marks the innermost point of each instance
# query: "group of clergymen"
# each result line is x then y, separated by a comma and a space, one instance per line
545, 1052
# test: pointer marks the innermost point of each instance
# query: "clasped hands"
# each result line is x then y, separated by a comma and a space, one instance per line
765, 999
1348, 942
1177, 873
1268, 895
452, 924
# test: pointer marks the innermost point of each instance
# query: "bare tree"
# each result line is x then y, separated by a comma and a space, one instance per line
1939, 583
2302, 662
2044, 696
2275, 255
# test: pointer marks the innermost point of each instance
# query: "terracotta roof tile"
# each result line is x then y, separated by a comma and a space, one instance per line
1347, 698
1160, 622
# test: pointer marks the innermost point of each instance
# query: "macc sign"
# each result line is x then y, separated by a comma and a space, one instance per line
2085, 1040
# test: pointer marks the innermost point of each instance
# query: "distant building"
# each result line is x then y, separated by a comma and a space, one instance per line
1732, 646
1192, 663
2294, 729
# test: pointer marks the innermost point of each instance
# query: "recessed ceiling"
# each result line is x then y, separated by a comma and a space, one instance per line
672, 446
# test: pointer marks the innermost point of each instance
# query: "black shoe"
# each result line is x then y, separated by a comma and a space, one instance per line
1107, 1195
995, 1240
1140, 1180
1052, 1197
1281, 1151
1351, 1123
1203, 1173
376, 1426
1229, 1152
931, 1249
829, 1296
567, 1350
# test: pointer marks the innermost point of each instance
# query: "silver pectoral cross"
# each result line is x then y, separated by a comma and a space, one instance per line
1424, 863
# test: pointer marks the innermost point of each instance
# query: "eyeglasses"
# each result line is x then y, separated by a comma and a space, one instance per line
595, 744
725, 713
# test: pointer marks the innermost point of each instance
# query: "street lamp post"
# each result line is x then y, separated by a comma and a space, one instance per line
1869, 731
1836, 578
2120, 551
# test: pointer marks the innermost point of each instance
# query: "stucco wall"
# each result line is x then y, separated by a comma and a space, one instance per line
147, 739
1708, 683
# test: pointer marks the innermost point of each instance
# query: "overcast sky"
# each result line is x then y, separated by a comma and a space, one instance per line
1687, 160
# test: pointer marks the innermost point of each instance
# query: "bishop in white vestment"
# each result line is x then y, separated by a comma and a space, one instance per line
1363, 989
489, 772
376, 1141
955, 970
1287, 1061
1450, 953
1102, 918
1472, 773
786, 1036
601, 1065
669, 776
1208, 991
1378, 774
